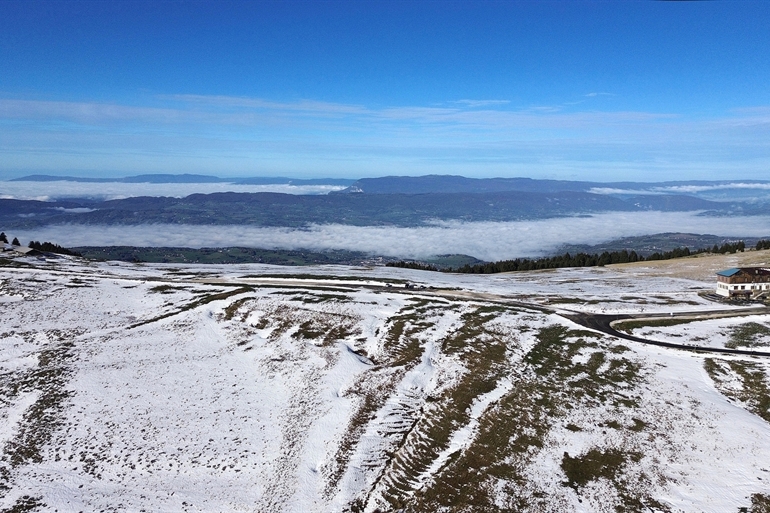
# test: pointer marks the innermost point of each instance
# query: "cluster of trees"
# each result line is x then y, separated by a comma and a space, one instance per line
4, 239
412, 265
567, 260
578, 260
675, 253
729, 248
50, 247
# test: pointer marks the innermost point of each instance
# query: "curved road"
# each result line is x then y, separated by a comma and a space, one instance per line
603, 323
597, 322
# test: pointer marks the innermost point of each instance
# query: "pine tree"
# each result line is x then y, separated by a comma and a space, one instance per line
3, 238
16, 242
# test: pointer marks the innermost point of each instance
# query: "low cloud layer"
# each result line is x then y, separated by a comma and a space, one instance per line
711, 187
488, 240
734, 191
45, 191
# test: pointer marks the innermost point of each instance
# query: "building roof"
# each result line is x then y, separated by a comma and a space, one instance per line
745, 271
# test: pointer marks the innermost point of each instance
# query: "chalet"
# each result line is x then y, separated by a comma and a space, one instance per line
744, 282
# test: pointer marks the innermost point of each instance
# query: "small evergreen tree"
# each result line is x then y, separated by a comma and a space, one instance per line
3, 238
16, 242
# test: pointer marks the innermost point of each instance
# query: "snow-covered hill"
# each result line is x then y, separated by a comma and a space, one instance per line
258, 388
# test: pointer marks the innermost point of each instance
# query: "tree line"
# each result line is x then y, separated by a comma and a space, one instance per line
568, 260
48, 247
729, 248
412, 265
579, 259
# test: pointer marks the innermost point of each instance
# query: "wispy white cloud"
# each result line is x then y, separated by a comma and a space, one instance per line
616, 191
488, 241
722, 192
190, 109
481, 103
714, 187
261, 104
685, 189
239, 136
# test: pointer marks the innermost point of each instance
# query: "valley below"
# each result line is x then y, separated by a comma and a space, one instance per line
252, 387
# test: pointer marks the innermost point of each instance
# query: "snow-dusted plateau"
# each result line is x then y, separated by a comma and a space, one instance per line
159, 388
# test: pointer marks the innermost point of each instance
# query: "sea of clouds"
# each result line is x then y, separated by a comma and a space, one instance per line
734, 191
47, 191
485, 240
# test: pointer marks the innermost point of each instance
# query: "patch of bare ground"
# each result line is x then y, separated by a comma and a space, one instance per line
322, 321
319, 327
760, 503
297, 325
402, 349
24, 504
701, 267
743, 381
45, 416
750, 334
203, 299
483, 352
491, 473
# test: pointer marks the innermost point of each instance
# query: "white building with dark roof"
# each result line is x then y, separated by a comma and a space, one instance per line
743, 282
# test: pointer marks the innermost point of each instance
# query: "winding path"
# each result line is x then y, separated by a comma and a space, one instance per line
603, 323
597, 322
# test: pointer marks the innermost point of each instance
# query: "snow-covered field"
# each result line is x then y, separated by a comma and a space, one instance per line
158, 388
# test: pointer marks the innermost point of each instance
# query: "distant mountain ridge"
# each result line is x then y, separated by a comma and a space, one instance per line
287, 210
723, 190
430, 184
388, 201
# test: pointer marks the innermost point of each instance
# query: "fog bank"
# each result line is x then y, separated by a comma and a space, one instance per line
46, 191
487, 241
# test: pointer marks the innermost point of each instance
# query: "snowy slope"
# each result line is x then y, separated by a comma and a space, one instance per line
259, 388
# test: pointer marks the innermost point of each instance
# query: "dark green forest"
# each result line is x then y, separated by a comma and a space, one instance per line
578, 260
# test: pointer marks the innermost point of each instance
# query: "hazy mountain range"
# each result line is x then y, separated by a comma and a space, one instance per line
388, 201
459, 184
395, 217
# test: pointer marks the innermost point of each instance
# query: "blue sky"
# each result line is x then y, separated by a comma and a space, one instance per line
632, 90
